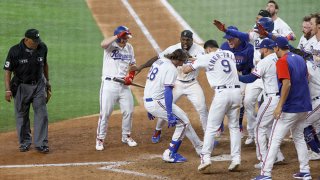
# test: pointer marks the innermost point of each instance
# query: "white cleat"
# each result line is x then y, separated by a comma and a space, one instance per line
128, 140
313, 156
99, 144
258, 166
203, 166
234, 166
249, 140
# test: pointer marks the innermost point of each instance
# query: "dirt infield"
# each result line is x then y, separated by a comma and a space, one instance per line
72, 143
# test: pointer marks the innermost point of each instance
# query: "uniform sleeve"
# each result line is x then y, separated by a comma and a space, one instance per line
200, 62
241, 35
259, 70
169, 50
9, 62
282, 69
170, 77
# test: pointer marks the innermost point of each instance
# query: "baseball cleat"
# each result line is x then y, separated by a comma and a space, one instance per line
128, 140
262, 178
43, 149
168, 156
99, 145
249, 140
258, 166
156, 136
313, 156
203, 166
233, 166
24, 148
300, 175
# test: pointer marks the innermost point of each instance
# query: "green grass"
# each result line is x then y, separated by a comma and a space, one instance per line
199, 14
74, 56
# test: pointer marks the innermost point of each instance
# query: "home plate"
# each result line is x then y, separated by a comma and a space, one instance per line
222, 157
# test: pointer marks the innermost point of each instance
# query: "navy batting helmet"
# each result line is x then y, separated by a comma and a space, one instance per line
119, 29
267, 24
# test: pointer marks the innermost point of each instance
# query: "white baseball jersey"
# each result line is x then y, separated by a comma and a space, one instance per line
221, 69
116, 60
313, 46
281, 27
314, 79
222, 74
194, 51
162, 73
302, 43
266, 70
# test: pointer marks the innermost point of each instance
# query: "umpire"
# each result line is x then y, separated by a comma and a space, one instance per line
30, 84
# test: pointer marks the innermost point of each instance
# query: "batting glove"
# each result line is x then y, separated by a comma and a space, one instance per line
172, 120
123, 34
220, 25
150, 116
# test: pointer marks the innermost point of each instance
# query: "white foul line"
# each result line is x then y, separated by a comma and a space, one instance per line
182, 22
142, 26
112, 166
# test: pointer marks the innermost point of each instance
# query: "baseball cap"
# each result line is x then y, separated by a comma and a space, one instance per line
187, 33
264, 13
281, 42
228, 36
266, 43
33, 34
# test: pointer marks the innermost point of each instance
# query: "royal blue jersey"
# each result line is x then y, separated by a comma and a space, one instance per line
293, 67
243, 54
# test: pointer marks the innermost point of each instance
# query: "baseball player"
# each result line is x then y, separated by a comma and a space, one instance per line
313, 118
222, 76
280, 27
291, 110
238, 43
118, 56
158, 101
186, 84
306, 30
265, 70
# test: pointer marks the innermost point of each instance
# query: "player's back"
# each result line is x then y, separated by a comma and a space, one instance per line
221, 68
162, 73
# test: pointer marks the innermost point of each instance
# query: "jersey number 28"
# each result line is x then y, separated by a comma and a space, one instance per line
152, 73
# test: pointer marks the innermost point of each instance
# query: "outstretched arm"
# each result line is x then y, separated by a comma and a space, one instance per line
145, 65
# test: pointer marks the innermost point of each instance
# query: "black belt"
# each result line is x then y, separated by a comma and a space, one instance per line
30, 82
318, 97
187, 81
109, 78
277, 94
225, 87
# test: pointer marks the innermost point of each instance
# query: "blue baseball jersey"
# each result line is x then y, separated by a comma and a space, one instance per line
243, 54
293, 67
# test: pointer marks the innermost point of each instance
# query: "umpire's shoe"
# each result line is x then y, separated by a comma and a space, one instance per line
43, 149
24, 148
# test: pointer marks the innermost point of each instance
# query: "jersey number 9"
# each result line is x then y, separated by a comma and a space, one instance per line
226, 65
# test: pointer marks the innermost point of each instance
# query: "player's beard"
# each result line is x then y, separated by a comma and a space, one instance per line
307, 35
261, 56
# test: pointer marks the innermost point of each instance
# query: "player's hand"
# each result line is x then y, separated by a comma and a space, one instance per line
127, 80
123, 34
220, 25
8, 96
150, 116
172, 120
136, 69
277, 112
261, 30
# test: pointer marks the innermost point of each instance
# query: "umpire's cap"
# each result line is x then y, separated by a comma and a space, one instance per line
33, 34
187, 33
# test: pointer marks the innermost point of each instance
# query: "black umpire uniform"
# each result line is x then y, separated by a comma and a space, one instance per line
28, 62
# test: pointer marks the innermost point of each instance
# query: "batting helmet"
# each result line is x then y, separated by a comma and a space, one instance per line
267, 24
119, 29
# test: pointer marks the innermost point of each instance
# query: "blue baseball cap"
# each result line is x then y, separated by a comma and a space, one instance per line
267, 43
227, 36
281, 42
